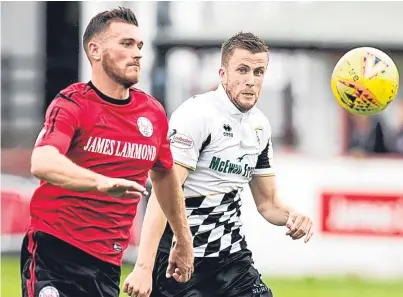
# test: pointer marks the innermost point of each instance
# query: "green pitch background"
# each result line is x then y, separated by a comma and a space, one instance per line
282, 287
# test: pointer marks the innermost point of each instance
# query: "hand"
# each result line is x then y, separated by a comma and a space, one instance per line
299, 226
138, 283
120, 188
180, 264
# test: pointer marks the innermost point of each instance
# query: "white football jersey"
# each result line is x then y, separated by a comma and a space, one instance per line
223, 148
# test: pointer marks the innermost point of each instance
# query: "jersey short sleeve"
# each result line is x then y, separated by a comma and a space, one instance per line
164, 160
188, 134
264, 164
62, 120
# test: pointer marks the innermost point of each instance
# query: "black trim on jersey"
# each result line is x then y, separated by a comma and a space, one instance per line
87, 89
55, 111
53, 118
205, 143
68, 98
107, 98
263, 159
50, 119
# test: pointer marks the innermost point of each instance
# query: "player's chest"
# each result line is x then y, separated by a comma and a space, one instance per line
235, 148
121, 136
122, 125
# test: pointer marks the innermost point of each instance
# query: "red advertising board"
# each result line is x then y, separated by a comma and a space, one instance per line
370, 214
14, 213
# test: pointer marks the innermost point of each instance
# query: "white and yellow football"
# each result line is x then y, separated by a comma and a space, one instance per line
365, 81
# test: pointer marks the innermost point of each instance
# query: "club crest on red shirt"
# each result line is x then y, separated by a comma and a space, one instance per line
145, 126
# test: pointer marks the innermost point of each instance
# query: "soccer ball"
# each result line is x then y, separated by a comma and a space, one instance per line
365, 81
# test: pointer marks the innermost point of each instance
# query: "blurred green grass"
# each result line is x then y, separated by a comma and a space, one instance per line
282, 287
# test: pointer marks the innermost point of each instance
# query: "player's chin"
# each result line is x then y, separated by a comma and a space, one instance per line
247, 103
132, 72
132, 79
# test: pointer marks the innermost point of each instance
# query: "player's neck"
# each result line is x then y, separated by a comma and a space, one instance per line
108, 87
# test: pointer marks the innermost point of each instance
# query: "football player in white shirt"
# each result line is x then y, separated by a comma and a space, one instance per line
220, 143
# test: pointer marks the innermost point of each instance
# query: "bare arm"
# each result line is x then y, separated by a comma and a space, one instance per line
50, 165
48, 161
268, 204
155, 219
153, 226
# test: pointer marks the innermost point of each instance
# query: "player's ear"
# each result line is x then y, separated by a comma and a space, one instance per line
223, 74
94, 50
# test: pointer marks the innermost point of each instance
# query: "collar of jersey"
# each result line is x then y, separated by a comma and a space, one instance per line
228, 105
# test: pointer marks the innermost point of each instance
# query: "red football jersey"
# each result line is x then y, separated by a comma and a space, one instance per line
116, 138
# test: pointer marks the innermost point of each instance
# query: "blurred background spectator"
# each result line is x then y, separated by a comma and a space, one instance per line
366, 136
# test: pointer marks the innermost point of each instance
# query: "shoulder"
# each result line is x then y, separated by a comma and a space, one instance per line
76, 90
151, 102
71, 97
75, 94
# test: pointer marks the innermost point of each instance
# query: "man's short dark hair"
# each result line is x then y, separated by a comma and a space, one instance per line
102, 20
242, 40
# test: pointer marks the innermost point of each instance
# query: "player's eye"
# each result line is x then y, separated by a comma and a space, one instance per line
140, 45
127, 44
258, 72
242, 70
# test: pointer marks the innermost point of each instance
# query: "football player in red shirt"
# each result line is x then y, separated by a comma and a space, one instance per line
99, 143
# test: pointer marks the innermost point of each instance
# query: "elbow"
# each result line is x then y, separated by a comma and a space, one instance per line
37, 166
40, 159
264, 207
35, 170
157, 176
38, 171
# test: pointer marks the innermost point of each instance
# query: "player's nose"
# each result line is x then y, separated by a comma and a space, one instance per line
136, 54
250, 83
250, 80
